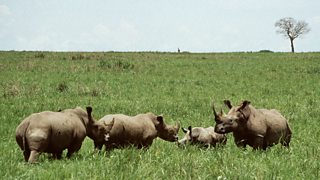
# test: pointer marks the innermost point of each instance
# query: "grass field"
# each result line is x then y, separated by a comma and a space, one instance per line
179, 86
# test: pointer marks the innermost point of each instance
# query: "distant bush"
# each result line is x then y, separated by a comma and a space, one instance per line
95, 92
11, 90
84, 90
39, 55
79, 57
265, 51
116, 64
62, 87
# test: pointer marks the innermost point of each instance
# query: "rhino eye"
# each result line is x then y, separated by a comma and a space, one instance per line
230, 120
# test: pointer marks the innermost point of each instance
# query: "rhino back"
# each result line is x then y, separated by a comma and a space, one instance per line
221, 138
256, 124
202, 135
130, 129
277, 126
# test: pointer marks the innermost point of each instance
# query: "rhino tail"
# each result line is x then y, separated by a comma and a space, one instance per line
287, 137
21, 136
24, 143
24, 139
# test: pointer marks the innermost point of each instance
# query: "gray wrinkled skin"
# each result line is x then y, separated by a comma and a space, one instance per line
138, 131
52, 132
258, 128
206, 137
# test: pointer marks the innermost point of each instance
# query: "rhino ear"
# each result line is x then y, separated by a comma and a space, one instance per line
244, 104
189, 128
228, 103
109, 125
178, 125
214, 110
190, 131
160, 119
184, 130
89, 112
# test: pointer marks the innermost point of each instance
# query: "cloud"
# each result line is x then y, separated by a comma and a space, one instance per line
5, 10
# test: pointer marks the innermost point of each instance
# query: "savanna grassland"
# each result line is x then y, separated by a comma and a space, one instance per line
181, 87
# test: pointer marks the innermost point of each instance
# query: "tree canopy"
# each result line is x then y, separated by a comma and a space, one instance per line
291, 29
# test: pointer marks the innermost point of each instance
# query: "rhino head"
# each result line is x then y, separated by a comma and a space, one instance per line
98, 131
187, 137
230, 122
167, 132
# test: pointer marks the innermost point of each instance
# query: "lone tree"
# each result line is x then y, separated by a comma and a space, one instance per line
291, 29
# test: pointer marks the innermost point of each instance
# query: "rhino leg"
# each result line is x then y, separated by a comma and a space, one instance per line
285, 141
33, 156
74, 148
147, 143
258, 143
98, 146
241, 143
57, 155
207, 145
26, 154
109, 147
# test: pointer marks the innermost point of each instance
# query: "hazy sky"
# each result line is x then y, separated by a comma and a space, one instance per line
154, 25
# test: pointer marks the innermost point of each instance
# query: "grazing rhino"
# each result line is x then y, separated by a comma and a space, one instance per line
52, 132
258, 128
202, 136
138, 131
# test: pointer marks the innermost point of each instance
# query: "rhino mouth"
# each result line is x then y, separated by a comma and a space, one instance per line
220, 130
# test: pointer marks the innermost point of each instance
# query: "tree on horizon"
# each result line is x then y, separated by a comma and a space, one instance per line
291, 29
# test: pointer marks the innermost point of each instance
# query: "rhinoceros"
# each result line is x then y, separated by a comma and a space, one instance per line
52, 132
206, 137
138, 131
258, 128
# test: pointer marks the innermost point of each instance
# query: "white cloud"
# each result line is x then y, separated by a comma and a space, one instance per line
5, 10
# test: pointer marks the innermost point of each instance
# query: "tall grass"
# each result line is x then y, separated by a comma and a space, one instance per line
179, 86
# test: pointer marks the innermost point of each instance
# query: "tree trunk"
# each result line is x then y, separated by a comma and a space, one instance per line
292, 47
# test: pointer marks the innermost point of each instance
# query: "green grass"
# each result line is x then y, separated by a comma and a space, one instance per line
179, 86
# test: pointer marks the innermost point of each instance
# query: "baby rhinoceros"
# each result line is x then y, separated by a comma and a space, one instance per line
258, 128
52, 132
138, 131
206, 137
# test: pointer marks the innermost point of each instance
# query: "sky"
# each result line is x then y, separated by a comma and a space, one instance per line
155, 25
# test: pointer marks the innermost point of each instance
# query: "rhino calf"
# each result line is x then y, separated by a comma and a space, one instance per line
258, 128
206, 137
52, 132
138, 131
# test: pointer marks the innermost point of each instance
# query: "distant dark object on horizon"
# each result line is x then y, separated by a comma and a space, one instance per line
265, 51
